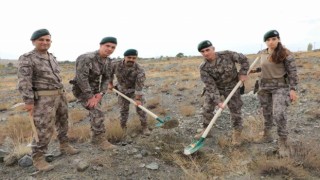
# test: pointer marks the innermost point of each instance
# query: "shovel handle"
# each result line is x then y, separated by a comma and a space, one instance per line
205, 133
34, 130
133, 102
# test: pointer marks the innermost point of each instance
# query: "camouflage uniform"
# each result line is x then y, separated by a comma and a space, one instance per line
274, 96
130, 82
37, 74
220, 77
92, 78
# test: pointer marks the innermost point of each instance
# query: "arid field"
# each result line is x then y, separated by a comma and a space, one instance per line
172, 89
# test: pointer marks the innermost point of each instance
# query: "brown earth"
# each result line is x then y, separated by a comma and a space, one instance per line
173, 89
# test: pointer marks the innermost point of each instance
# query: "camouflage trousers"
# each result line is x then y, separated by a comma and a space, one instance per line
274, 103
50, 111
124, 110
96, 118
234, 106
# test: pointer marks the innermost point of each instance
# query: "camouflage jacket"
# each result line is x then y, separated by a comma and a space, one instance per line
130, 79
89, 69
290, 69
35, 72
222, 74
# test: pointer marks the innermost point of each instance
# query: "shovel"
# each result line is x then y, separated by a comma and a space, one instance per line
196, 145
35, 134
165, 123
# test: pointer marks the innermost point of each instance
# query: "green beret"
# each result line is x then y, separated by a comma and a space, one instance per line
131, 52
271, 33
204, 44
108, 40
38, 33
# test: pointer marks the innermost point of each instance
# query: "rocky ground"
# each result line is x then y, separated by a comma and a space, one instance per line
160, 155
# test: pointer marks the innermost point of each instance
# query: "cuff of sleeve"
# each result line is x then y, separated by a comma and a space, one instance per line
88, 96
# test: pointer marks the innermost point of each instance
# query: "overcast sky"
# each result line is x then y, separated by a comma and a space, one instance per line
156, 27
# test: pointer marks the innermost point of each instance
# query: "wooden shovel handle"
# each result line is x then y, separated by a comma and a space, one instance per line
34, 130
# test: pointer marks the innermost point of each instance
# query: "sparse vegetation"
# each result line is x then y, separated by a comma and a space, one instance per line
174, 88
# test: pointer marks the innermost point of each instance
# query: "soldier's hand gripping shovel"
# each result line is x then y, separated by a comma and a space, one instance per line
196, 145
34, 131
165, 123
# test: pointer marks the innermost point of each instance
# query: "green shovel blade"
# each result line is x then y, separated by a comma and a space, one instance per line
167, 123
193, 147
160, 122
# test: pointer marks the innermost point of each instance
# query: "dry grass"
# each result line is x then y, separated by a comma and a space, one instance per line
284, 167
160, 111
8, 83
224, 142
181, 77
20, 149
307, 154
17, 128
77, 115
187, 110
79, 133
238, 161
199, 166
114, 130
4, 107
153, 102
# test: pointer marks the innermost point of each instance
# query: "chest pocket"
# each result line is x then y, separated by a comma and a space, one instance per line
95, 70
41, 71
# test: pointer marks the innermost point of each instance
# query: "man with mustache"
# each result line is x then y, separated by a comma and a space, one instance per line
130, 77
41, 87
91, 83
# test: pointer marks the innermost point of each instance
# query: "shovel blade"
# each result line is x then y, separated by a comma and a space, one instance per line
193, 147
167, 123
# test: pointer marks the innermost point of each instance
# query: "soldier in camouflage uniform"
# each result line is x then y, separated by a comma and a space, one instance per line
91, 83
277, 87
40, 85
219, 74
130, 77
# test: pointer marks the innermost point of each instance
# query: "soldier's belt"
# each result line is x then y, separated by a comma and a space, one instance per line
55, 92
278, 80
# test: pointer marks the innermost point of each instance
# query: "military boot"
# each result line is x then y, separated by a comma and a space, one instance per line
40, 163
146, 131
236, 137
283, 147
266, 137
66, 148
101, 142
